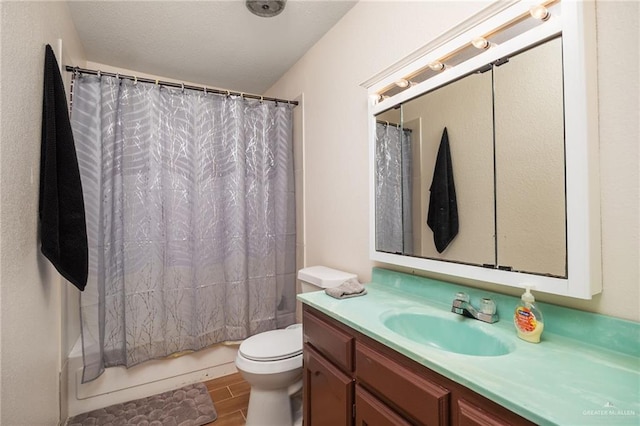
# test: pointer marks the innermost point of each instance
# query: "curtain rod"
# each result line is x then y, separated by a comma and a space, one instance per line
69, 68
388, 123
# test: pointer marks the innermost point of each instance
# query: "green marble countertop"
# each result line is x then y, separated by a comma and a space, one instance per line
572, 377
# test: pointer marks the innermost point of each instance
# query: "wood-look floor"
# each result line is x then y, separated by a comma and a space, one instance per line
230, 396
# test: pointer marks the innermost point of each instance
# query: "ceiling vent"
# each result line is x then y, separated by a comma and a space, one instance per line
266, 8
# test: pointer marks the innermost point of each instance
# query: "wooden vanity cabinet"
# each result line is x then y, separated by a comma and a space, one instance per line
351, 379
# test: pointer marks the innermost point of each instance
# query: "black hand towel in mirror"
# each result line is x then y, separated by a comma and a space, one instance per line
442, 216
63, 232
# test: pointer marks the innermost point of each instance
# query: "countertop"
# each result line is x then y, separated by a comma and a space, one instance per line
562, 380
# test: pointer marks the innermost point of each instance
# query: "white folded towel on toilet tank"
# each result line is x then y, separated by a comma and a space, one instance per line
349, 288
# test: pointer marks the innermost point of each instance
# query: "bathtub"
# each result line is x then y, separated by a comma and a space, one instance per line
121, 384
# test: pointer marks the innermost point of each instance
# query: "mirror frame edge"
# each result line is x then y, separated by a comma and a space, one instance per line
577, 26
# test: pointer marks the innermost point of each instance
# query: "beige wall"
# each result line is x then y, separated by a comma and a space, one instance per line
33, 297
374, 35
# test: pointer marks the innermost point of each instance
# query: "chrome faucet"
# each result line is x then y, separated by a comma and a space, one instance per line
462, 306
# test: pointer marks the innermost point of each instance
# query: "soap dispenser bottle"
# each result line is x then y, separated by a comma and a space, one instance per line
528, 318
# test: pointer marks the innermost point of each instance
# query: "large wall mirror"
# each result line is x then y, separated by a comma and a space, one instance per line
505, 129
484, 170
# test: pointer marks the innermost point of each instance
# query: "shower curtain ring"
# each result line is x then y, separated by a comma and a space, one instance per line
261, 99
205, 90
182, 87
228, 93
135, 79
99, 74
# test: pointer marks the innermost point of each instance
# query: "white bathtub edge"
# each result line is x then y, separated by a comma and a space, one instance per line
119, 384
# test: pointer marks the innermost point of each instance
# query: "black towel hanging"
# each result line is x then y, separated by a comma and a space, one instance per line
442, 216
61, 215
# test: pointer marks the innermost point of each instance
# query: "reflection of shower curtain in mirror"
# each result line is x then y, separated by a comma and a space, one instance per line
394, 231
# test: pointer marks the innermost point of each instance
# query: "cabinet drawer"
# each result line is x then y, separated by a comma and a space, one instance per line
371, 411
468, 413
330, 341
421, 400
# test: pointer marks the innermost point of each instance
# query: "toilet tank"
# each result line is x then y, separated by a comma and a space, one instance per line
316, 278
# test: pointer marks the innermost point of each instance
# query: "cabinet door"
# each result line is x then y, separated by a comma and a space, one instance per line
372, 412
328, 392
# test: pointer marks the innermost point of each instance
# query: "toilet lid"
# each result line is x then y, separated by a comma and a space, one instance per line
273, 345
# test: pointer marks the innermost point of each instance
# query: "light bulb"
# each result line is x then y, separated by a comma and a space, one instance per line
436, 66
540, 12
481, 43
402, 83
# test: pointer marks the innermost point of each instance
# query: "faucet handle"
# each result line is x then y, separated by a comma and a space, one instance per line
487, 306
462, 296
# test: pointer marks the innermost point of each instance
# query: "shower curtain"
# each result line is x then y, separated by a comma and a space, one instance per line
190, 211
393, 193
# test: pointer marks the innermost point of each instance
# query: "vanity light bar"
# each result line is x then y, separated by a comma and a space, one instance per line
438, 66
538, 11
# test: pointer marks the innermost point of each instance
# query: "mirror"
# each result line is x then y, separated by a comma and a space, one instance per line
464, 108
505, 131
530, 162
508, 132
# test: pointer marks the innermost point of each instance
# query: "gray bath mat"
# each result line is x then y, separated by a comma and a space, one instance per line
187, 406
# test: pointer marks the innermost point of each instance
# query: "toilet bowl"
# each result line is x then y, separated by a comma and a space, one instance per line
271, 362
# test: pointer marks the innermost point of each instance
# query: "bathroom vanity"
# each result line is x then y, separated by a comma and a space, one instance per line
350, 377
399, 356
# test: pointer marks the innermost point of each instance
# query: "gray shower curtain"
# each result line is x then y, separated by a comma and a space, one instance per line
190, 211
393, 192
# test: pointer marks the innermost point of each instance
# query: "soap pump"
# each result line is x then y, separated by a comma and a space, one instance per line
528, 318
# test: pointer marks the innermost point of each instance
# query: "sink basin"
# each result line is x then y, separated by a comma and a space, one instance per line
455, 334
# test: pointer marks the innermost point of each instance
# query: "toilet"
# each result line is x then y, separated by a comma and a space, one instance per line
271, 362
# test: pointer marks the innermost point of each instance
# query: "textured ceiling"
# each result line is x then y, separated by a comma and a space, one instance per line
216, 43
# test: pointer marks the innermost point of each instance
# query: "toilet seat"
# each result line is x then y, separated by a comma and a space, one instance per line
273, 345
